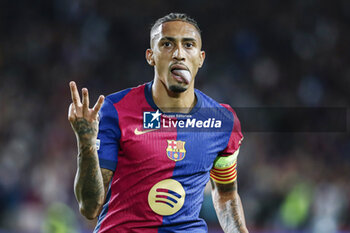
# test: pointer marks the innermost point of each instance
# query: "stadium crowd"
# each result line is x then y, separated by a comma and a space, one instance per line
259, 53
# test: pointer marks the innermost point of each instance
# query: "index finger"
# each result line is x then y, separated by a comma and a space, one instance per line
74, 93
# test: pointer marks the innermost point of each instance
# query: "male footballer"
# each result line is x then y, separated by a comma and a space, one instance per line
146, 153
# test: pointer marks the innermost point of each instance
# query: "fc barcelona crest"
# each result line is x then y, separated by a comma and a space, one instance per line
176, 150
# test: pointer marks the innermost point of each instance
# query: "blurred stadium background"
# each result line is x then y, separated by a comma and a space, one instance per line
259, 53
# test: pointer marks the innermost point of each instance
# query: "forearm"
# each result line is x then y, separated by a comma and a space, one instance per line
229, 209
88, 183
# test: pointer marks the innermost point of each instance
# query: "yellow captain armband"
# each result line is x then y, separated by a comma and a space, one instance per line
224, 169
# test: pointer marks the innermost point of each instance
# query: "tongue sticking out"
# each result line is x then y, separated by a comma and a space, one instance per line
184, 74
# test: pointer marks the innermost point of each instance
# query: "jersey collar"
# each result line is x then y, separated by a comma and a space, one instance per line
149, 98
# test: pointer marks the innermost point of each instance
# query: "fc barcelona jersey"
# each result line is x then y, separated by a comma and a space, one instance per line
161, 161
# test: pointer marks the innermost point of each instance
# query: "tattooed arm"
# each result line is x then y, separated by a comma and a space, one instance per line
91, 182
228, 207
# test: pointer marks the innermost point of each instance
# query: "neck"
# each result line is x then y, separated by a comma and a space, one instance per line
169, 101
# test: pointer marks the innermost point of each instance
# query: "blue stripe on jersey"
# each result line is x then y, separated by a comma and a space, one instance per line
109, 131
202, 147
104, 210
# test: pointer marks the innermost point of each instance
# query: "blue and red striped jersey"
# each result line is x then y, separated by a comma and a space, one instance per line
161, 161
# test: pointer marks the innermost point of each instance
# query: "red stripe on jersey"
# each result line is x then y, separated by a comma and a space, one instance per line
142, 162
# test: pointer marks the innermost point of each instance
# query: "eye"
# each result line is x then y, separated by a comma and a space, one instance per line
167, 44
188, 45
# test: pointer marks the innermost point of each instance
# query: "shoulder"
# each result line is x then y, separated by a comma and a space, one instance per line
112, 100
230, 109
118, 96
207, 101
224, 109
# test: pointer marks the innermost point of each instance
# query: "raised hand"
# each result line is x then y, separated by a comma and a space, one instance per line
84, 120
89, 183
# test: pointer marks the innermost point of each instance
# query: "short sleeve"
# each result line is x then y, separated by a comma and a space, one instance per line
236, 136
108, 136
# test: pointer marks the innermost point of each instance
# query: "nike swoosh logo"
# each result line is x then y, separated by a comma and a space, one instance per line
137, 132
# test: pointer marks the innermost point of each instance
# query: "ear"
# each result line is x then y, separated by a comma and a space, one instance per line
149, 57
202, 58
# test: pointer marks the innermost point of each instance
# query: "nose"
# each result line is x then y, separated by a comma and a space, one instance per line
179, 54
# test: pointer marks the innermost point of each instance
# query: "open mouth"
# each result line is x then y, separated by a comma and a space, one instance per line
181, 74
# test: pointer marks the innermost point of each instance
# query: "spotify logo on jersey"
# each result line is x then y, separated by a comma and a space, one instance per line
166, 197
